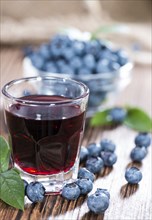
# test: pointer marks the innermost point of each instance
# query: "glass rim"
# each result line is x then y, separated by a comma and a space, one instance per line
39, 78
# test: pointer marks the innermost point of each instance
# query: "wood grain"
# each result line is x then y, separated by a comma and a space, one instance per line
127, 202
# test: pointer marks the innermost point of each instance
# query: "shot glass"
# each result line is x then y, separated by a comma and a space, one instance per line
45, 117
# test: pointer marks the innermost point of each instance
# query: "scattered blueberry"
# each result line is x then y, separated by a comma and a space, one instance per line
138, 153
102, 191
98, 203
35, 191
109, 158
83, 153
94, 149
85, 185
107, 145
133, 175
143, 140
83, 173
94, 164
117, 114
71, 191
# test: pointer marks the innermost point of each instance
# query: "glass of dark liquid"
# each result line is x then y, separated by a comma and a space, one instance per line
45, 117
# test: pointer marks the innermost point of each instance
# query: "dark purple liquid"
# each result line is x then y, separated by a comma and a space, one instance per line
45, 140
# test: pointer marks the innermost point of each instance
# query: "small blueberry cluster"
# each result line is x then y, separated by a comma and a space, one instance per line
96, 156
142, 141
82, 186
65, 55
35, 191
97, 202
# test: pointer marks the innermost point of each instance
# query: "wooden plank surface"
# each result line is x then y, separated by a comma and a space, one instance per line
127, 202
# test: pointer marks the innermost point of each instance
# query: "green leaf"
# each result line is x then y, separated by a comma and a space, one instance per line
100, 119
138, 120
12, 189
109, 29
4, 155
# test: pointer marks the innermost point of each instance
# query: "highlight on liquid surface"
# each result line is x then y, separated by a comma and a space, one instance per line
45, 139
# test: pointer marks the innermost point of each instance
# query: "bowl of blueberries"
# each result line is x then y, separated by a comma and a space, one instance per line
103, 67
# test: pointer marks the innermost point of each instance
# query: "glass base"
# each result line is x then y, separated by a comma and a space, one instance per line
53, 183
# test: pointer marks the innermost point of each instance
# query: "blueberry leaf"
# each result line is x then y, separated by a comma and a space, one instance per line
4, 155
109, 29
12, 189
100, 119
138, 120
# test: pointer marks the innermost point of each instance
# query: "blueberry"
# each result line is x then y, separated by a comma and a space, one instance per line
109, 158
84, 71
114, 66
133, 175
94, 164
107, 145
117, 114
122, 57
105, 54
71, 191
35, 191
102, 66
60, 63
94, 149
67, 70
68, 53
83, 153
83, 173
143, 140
50, 67
85, 185
92, 47
138, 154
45, 51
61, 40
37, 60
76, 63
89, 61
78, 47
98, 203
103, 191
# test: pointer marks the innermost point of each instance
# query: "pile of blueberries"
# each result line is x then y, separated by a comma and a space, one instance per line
65, 55
80, 59
95, 157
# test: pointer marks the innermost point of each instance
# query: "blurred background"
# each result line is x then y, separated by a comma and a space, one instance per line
31, 22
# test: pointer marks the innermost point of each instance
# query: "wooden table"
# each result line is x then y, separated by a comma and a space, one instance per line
126, 202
